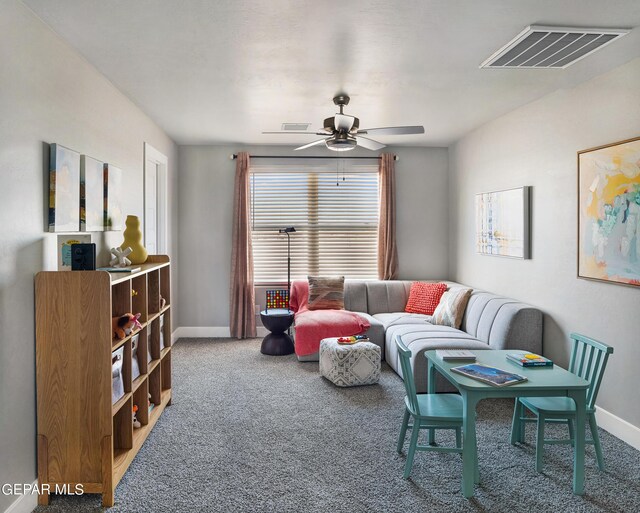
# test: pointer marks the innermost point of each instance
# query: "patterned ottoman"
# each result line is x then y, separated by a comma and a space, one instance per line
349, 365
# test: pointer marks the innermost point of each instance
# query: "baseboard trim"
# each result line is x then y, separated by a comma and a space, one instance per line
209, 332
618, 427
24, 503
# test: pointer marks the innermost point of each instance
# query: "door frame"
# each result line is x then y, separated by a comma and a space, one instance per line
162, 230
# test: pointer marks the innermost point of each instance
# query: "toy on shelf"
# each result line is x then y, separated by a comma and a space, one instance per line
125, 324
134, 292
136, 422
151, 405
120, 257
163, 302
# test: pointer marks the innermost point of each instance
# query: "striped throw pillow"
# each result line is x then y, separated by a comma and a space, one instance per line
326, 293
451, 308
424, 297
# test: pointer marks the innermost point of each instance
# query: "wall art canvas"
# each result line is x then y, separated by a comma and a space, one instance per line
113, 189
64, 189
91, 194
502, 223
609, 213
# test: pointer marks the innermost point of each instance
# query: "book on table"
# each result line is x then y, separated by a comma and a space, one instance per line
526, 359
452, 355
492, 375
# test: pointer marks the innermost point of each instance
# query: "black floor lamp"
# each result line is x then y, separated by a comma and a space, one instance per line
288, 230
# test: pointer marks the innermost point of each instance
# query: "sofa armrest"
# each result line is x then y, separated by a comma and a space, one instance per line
517, 326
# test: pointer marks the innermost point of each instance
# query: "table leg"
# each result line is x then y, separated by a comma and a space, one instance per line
431, 389
579, 397
469, 449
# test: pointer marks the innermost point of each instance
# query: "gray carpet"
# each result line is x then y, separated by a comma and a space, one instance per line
252, 433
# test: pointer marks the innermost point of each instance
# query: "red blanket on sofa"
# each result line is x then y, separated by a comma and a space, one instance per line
314, 325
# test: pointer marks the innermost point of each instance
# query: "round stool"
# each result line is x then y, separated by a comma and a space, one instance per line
277, 321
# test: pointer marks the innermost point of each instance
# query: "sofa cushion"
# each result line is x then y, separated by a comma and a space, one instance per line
421, 338
424, 297
389, 319
326, 293
387, 296
452, 307
375, 331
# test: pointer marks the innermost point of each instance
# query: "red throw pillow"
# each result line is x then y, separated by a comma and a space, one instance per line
424, 297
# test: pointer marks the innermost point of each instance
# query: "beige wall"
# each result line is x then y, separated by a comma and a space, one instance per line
206, 205
536, 145
49, 93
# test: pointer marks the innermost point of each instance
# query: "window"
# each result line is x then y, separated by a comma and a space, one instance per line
336, 226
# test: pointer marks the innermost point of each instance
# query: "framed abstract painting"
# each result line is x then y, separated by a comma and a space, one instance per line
64, 189
91, 194
502, 223
113, 189
609, 213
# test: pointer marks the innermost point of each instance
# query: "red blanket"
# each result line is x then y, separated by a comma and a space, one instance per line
314, 325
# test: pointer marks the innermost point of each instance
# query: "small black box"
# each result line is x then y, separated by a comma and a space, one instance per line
83, 257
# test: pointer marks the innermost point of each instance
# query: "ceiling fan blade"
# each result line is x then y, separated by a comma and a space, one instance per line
393, 130
297, 133
314, 143
343, 122
369, 144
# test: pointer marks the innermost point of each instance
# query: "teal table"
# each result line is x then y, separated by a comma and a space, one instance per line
547, 381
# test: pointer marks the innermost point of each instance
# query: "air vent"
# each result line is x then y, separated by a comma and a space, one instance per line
551, 47
295, 127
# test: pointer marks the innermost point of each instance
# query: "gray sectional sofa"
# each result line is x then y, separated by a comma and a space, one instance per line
490, 322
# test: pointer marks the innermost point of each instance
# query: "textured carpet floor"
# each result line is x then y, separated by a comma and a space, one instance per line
252, 433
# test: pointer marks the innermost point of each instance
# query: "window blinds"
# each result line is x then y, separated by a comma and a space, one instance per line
336, 225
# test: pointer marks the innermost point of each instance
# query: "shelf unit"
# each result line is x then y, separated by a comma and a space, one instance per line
83, 437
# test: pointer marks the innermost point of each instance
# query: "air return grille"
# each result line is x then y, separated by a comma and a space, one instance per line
297, 127
551, 47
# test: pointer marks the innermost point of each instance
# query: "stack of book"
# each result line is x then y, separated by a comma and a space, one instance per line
525, 359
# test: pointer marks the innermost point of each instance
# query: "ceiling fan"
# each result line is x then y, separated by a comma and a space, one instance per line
342, 132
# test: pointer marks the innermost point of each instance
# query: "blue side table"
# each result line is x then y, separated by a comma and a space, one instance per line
277, 321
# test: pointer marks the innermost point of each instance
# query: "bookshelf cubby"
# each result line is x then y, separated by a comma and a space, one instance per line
83, 437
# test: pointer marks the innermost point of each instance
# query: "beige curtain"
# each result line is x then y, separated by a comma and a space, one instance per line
242, 321
387, 249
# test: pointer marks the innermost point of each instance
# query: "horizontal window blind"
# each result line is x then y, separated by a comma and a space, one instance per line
336, 225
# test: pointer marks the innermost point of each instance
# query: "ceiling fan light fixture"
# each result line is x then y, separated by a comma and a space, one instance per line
339, 143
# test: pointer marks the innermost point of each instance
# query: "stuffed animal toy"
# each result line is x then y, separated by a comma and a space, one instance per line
136, 422
120, 257
123, 326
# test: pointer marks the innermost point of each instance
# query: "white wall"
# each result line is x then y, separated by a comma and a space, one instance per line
49, 93
536, 145
206, 207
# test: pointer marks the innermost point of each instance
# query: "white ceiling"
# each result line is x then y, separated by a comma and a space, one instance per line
225, 70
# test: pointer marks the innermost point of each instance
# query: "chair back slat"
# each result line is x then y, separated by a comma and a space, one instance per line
404, 353
589, 360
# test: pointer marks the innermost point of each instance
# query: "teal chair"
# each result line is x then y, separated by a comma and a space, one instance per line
429, 411
588, 360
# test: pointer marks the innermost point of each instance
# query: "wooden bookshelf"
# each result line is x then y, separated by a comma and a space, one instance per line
83, 437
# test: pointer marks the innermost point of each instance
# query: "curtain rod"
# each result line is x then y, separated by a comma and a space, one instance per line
235, 156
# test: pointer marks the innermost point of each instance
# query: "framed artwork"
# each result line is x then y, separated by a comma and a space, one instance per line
91, 195
112, 196
609, 213
502, 223
64, 189
64, 248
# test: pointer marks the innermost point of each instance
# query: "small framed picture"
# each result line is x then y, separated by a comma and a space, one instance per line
64, 248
